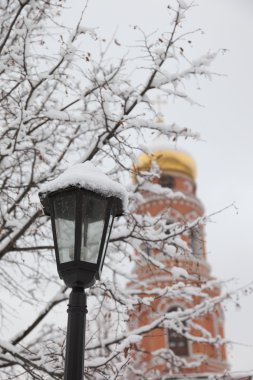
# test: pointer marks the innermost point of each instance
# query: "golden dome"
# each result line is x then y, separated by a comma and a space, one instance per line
168, 161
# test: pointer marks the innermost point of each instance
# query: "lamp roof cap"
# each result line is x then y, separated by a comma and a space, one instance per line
89, 177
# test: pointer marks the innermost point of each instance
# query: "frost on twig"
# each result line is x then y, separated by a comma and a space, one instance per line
61, 104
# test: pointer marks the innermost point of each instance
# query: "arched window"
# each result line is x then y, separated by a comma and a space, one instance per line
169, 222
167, 181
196, 242
177, 342
145, 247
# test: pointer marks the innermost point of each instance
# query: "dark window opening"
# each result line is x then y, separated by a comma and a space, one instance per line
177, 342
167, 181
169, 222
145, 247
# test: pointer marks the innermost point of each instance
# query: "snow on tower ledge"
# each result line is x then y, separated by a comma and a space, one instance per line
89, 177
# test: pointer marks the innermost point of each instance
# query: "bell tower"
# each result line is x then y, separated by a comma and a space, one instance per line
185, 342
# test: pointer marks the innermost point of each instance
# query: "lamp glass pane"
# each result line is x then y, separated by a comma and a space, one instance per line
106, 240
65, 212
93, 220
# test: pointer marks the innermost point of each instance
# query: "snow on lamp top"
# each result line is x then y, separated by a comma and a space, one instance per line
89, 177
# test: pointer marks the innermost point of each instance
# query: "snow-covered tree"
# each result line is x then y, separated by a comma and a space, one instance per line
63, 100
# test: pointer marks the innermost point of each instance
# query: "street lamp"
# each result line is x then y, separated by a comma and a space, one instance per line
82, 203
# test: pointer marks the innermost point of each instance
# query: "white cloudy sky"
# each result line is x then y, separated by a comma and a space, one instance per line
225, 155
225, 159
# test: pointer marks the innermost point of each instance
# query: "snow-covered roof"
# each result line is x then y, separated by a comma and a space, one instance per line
87, 176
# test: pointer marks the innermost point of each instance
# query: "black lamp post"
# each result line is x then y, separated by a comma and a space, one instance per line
81, 223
